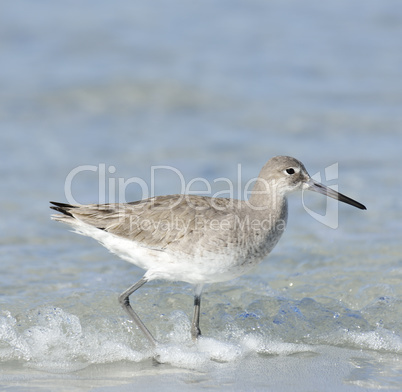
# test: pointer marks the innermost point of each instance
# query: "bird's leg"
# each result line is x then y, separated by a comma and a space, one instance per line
195, 325
125, 303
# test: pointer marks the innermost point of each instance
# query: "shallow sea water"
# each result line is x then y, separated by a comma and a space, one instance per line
201, 87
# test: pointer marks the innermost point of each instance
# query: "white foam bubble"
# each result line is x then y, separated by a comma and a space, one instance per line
52, 339
219, 351
263, 345
56, 342
381, 339
180, 331
183, 352
12, 345
182, 356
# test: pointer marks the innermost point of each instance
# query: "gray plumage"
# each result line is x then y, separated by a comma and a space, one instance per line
196, 239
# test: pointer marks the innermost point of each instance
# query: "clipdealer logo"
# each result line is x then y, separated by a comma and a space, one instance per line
113, 189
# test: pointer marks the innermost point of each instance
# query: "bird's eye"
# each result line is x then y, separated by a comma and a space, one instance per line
290, 170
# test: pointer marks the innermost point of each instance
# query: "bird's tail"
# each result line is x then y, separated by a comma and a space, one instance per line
64, 209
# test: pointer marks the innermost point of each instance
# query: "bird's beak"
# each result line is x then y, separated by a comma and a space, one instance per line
320, 188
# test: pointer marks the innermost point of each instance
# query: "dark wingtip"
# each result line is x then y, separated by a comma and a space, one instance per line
62, 205
64, 208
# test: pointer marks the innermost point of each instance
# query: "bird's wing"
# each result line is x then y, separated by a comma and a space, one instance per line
157, 222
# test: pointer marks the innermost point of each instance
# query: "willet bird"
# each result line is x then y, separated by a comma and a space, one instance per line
196, 239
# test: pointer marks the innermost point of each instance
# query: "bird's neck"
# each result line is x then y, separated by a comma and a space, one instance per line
267, 197
268, 205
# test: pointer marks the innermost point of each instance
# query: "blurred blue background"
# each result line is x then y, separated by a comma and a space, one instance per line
201, 86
